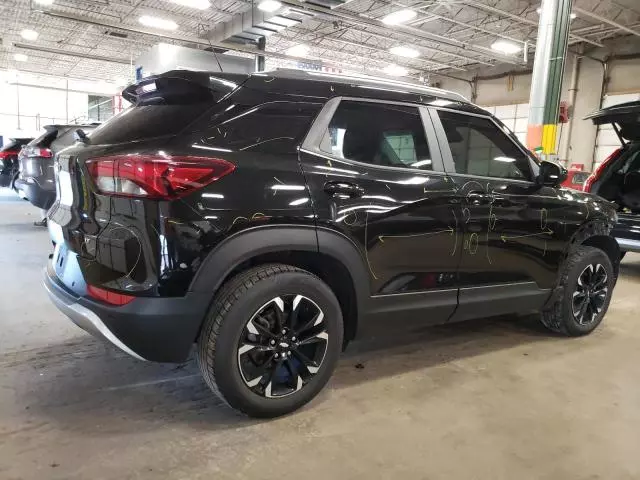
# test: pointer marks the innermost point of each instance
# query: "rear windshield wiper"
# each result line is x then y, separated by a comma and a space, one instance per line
82, 136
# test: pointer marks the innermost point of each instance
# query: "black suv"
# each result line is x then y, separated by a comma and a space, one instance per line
265, 217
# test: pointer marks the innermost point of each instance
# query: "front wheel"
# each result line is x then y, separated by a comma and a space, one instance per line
586, 282
271, 340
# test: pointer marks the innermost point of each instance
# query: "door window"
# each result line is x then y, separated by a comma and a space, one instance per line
379, 134
479, 147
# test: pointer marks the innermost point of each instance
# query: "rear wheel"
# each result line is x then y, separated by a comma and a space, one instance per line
587, 283
271, 340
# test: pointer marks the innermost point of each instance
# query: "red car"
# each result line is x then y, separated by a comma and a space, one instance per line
575, 180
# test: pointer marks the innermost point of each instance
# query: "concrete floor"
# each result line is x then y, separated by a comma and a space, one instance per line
491, 399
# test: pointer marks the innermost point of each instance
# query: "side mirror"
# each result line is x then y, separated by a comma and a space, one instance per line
551, 174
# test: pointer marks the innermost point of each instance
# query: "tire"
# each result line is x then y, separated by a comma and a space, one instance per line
560, 316
242, 332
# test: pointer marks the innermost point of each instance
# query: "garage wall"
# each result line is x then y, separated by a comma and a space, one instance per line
31, 101
507, 92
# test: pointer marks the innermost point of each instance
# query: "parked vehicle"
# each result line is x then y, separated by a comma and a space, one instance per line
36, 181
9, 161
575, 180
618, 178
275, 213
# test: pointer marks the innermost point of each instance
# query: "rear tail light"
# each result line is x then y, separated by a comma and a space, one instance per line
588, 184
106, 296
6, 154
36, 152
155, 177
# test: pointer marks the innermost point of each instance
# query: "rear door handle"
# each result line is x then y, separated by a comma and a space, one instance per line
346, 189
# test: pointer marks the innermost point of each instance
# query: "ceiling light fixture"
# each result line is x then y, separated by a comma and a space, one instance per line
29, 34
508, 48
405, 52
20, 57
401, 16
298, 50
395, 70
155, 22
269, 5
199, 4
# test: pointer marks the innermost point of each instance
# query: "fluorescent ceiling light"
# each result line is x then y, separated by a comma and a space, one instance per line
269, 5
405, 51
298, 50
395, 70
44, 2
155, 22
506, 47
20, 57
199, 4
29, 34
401, 16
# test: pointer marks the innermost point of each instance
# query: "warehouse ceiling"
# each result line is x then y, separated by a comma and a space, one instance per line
99, 39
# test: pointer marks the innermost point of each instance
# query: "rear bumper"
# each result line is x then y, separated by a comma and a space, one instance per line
154, 329
38, 196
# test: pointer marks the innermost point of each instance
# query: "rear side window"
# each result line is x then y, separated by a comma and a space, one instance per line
379, 134
149, 121
274, 127
479, 147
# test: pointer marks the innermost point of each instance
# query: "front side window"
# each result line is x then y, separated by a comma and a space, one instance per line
479, 147
378, 134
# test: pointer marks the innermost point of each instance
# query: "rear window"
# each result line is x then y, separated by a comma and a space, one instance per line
579, 178
149, 121
45, 140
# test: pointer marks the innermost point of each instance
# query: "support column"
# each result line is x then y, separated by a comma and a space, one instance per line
548, 70
260, 62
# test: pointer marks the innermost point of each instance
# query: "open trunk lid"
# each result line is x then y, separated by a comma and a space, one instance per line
624, 117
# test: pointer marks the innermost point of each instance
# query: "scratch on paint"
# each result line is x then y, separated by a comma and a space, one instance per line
366, 249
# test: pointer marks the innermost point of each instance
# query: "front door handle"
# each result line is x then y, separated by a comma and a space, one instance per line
346, 189
477, 198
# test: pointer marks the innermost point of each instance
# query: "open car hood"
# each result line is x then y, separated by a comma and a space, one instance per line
625, 118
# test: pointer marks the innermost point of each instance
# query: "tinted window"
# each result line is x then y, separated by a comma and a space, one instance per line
139, 123
379, 134
274, 127
479, 147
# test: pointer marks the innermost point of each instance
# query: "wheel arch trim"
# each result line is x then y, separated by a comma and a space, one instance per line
256, 241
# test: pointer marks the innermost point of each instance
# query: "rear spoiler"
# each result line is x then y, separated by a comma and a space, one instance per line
183, 86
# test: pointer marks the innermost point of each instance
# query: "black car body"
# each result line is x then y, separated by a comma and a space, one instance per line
363, 185
618, 178
9, 167
36, 180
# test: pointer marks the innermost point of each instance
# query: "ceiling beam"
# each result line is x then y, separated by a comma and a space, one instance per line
404, 30
56, 51
520, 19
600, 18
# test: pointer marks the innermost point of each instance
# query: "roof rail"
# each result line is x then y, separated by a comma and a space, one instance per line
343, 77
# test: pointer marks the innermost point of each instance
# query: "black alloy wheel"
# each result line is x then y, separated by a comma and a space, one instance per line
282, 346
590, 294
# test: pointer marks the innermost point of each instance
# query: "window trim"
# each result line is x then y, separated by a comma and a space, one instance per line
312, 141
448, 156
